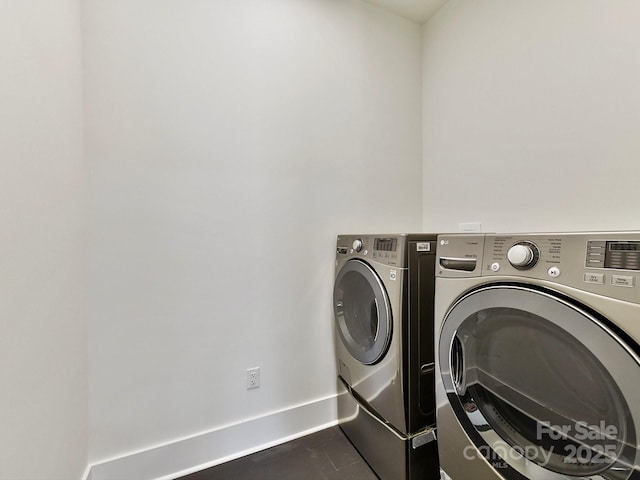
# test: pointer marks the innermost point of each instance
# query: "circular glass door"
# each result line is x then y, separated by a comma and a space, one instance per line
546, 386
362, 312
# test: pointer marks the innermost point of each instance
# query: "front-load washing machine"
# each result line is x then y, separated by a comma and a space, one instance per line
538, 362
383, 312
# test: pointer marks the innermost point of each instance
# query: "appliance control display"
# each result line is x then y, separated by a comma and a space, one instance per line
385, 244
613, 254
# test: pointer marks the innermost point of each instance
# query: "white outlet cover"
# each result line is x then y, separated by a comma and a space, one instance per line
253, 378
470, 227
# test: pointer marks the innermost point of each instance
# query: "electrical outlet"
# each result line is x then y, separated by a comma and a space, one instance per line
253, 378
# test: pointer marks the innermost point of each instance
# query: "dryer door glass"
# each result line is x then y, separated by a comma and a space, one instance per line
362, 312
543, 382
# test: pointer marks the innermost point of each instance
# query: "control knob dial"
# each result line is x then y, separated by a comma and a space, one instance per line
523, 255
357, 245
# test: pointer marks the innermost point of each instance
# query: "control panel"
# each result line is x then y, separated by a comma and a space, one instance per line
613, 254
381, 248
604, 263
387, 249
535, 255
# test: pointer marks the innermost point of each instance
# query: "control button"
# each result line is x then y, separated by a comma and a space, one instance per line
495, 266
357, 245
554, 272
365, 252
597, 278
523, 255
622, 280
595, 253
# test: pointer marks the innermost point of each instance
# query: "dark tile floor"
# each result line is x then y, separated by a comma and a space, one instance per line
324, 455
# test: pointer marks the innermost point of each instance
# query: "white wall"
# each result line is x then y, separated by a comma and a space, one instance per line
43, 361
532, 115
228, 143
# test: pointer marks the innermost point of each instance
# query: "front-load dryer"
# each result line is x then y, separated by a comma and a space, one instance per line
383, 312
538, 362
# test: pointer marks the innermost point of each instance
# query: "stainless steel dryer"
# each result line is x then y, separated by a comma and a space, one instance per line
383, 310
538, 361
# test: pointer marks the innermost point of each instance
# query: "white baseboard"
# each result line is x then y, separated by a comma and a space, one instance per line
220, 445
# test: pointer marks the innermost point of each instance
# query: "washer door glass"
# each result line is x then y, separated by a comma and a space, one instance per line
362, 312
547, 386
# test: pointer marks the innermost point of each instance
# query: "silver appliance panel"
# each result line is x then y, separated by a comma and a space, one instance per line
391, 454
537, 341
368, 302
